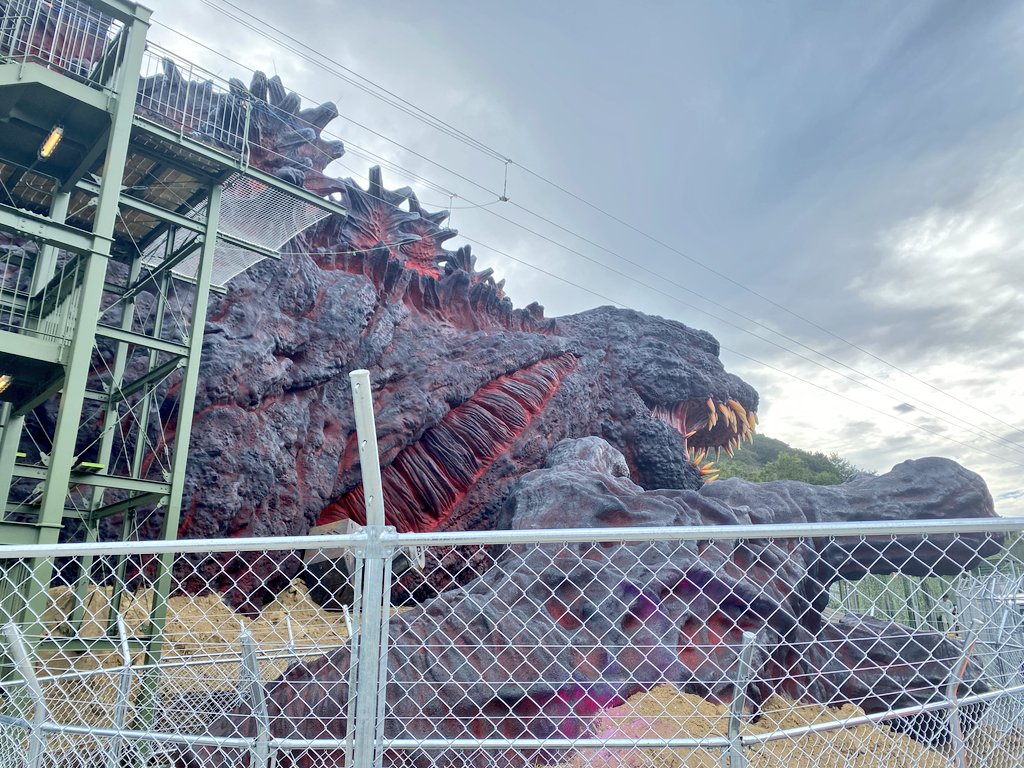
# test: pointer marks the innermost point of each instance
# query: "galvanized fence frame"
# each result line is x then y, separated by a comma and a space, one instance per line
364, 742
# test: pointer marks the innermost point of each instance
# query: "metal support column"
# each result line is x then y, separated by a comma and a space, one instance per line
148, 704
63, 458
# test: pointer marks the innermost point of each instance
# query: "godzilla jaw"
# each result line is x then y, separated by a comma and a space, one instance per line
709, 425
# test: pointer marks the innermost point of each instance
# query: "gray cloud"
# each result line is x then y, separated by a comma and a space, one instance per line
848, 160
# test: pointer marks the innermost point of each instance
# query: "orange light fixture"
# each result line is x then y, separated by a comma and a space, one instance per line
51, 141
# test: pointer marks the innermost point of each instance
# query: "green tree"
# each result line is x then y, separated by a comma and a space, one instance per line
768, 459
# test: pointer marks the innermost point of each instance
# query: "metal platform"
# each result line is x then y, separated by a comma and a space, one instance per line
110, 242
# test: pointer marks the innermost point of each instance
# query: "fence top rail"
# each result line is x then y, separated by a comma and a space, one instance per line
390, 538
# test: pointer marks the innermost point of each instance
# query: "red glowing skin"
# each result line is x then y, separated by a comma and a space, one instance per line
429, 478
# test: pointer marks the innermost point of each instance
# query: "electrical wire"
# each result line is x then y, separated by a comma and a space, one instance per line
963, 423
371, 155
311, 55
752, 359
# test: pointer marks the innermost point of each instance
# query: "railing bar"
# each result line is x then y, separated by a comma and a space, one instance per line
543, 536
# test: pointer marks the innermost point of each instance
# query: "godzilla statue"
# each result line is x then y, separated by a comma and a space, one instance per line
470, 393
480, 410
491, 416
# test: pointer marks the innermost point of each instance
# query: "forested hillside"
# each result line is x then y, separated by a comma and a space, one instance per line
769, 459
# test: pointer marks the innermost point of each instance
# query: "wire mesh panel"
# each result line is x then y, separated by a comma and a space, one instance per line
646, 647
251, 214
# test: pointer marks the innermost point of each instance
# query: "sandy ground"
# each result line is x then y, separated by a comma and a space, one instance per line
667, 713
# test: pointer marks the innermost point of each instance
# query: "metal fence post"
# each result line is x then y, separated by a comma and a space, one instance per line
739, 701
371, 654
257, 700
123, 691
40, 715
956, 677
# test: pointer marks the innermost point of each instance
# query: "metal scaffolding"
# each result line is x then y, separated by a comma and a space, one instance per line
111, 239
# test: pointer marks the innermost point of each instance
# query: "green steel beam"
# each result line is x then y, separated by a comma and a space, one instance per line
141, 500
166, 265
15, 74
35, 227
156, 375
123, 10
10, 441
16, 534
46, 261
91, 292
135, 485
140, 340
31, 347
111, 415
186, 402
88, 161
179, 220
201, 176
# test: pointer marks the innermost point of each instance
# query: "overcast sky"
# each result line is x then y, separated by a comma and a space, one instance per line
860, 164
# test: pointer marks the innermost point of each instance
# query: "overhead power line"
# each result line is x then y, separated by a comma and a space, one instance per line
365, 84
971, 427
755, 360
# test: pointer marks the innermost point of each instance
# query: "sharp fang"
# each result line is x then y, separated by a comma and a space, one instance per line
718, 453
752, 421
728, 450
691, 433
728, 415
740, 411
712, 415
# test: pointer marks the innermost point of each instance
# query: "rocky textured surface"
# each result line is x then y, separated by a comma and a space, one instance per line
555, 634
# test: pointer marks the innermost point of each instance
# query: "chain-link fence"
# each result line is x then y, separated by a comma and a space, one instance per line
610, 647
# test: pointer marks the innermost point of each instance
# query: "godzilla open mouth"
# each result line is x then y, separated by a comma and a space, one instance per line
431, 476
707, 425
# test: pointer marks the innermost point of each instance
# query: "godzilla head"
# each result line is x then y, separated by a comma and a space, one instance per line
672, 407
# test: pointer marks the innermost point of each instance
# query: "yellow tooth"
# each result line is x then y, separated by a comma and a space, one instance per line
741, 412
698, 456
752, 421
728, 450
728, 415
712, 415
718, 454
